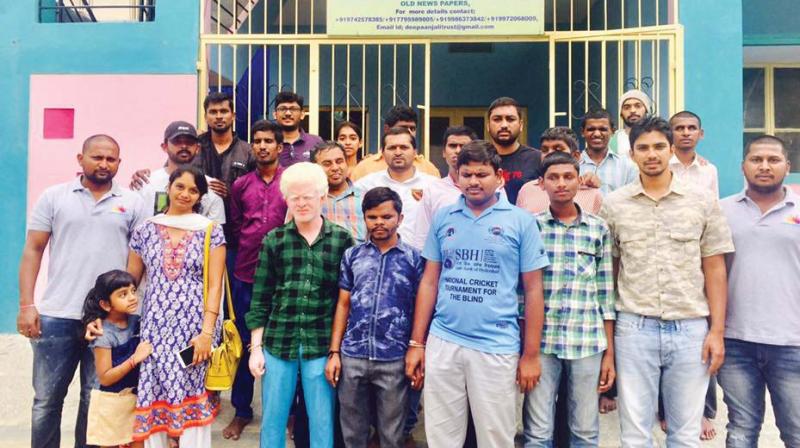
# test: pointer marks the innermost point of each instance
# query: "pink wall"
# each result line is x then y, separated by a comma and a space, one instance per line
134, 109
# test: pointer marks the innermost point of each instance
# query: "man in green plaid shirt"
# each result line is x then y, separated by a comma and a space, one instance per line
295, 291
577, 338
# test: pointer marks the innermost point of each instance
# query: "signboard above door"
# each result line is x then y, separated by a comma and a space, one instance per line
377, 18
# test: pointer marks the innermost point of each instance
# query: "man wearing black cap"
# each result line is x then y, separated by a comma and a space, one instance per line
181, 145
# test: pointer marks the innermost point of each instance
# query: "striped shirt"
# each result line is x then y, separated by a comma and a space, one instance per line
345, 210
296, 288
578, 285
614, 171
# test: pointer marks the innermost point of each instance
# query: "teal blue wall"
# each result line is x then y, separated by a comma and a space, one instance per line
167, 45
770, 22
713, 80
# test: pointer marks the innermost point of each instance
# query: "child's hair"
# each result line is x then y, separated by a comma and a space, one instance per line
105, 285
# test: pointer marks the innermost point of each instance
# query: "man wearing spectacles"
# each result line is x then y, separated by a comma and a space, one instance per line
297, 144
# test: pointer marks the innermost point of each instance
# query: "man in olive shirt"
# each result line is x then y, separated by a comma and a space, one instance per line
669, 241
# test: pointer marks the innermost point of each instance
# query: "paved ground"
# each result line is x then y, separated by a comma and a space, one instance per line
16, 396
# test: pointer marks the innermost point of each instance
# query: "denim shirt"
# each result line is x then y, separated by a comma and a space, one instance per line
383, 288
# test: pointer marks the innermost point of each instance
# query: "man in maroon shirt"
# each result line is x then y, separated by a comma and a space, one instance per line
256, 207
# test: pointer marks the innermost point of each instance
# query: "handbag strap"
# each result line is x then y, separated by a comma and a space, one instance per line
225, 278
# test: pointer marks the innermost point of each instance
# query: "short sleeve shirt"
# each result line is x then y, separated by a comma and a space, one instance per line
481, 261
410, 192
383, 288
87, 238
763, 279
113, 336
661, 244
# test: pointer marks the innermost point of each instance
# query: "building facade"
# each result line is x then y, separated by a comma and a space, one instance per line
73, 74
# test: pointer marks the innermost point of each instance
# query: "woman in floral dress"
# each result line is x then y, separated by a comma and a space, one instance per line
172, 401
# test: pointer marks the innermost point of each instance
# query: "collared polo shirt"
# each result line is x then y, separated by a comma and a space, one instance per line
534, 199
614, 171
661, 244
296, 289
87, 238
481, 259
345, 210
702, 175
764, 272
299, 150
411, 192
383, 287
578, 285
154, 194
256, 208
373, 163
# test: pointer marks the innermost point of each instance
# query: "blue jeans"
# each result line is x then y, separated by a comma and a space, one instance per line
278, 388
749, 369
539, 410
56, 355
242, 392
649, 350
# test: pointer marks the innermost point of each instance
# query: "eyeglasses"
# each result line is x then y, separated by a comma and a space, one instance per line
283, 109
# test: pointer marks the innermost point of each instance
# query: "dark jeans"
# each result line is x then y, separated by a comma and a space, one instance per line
56, 356
242, 392
386, 382
749, 369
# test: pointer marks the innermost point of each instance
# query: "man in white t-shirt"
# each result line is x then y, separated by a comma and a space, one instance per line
399, 150
181, 145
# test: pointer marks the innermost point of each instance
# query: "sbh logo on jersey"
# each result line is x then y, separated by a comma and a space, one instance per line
449, 232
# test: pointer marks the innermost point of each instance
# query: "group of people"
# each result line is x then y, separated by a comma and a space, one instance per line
365, 288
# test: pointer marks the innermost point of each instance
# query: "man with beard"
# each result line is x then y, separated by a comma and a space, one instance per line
634, 105
669, 241
520, 163
180, 144
399, 116
342, 204
399, 151
762, 344
614, 170
297, 144
87, 223
256, 207
223, 155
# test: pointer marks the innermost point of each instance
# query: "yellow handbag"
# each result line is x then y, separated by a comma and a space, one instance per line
225, 358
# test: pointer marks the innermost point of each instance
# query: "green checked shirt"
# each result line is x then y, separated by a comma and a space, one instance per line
578, 285
295, 290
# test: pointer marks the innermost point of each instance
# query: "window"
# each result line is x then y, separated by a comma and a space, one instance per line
771, 94
72, 11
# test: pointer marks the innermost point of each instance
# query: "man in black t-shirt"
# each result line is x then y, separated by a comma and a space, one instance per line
520, 163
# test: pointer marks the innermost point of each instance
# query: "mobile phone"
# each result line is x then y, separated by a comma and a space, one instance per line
185, 356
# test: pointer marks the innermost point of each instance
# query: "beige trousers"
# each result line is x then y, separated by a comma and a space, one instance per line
457, 377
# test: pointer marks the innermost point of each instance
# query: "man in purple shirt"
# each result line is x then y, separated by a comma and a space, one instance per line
297, 144
256, 207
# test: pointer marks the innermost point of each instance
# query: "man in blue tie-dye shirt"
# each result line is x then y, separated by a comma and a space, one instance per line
372, 326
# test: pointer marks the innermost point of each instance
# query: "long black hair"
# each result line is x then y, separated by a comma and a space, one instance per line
104, 286
199, 180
